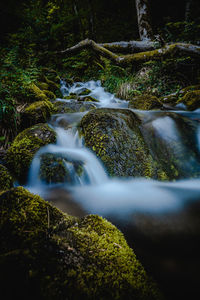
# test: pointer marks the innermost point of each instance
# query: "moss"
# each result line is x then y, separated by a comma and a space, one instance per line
114, 135
6, 180
71, 96
61, 107
49, 255
145, 102
37, 112
53, 169
191, 99
24, 147
33, 93
50, 95
85, 92
53, 87
43, 85
87, 99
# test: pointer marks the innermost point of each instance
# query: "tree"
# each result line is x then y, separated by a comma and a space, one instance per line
139, 51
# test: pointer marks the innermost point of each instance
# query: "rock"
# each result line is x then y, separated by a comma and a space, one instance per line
6, 180
73, 106
24, 147
57, 169
191, 99
114, 135
37, 112
50, 255
50, 95
87, 99
145, 102
33, 93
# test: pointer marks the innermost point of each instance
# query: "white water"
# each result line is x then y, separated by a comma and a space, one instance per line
94, 191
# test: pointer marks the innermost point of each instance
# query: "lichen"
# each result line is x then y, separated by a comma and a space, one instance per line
54, 256
25, 145
6, 180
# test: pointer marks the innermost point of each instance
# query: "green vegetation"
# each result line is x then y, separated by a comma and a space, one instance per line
6, 181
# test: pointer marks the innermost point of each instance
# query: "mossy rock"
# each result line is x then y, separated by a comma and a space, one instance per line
43, 85
87, 99
53, 169
84, 92
71, 96
56, 169
145, 102
53, 87
114, 135
73, 106
24, 147
37, 112
50, 95
46, 254
189, 89
6, 180
34, 93
191, 99
62, 107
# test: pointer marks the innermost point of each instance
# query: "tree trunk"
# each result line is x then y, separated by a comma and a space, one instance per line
144, 20
188, 7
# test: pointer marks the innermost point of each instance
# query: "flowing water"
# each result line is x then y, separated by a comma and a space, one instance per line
160, 219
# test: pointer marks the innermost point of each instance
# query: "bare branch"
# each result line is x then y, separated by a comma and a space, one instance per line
173, 50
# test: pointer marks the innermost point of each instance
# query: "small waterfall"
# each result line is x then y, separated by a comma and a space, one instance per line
87, 180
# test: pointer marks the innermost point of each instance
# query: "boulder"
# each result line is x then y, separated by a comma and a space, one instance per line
24, 147
46, 254
115, 136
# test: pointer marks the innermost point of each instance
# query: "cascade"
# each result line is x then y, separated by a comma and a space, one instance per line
157, 215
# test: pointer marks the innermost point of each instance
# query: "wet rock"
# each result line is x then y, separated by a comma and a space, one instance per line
51, 255
191, 99
115, 136
73, 106
24, 147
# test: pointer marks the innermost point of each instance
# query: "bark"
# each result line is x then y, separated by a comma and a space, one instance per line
173, 50
188, 7
144, 20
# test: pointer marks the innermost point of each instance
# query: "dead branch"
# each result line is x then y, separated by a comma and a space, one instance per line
173, 50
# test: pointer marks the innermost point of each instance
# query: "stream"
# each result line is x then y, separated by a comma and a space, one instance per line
160, 219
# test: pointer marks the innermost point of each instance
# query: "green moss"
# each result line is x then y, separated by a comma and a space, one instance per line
145, 102
55, 256
43, 85
6, 181
87, 99
71, 96
61, 107
191, 99
85, 92
33, 93
50, 95
37, 112
53, 87
53, 169
115, 137
25, 145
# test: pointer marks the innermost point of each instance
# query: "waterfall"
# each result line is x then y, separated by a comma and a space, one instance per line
91, 187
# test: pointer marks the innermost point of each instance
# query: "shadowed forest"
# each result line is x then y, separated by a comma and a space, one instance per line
100, 149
